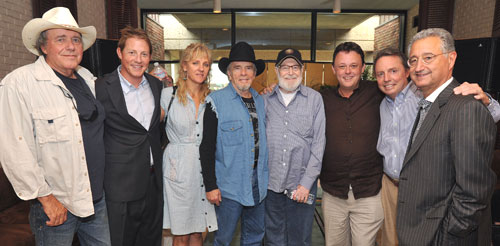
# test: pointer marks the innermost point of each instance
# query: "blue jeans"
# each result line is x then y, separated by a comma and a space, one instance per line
288, 222
93, 230
252, 220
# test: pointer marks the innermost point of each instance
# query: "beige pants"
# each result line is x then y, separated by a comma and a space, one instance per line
351, 221
389, 195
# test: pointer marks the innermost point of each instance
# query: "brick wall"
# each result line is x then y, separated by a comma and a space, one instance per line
155, 33
387, 35
13, 15
473, 19
93, 13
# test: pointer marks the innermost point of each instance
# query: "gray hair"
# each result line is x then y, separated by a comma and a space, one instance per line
447, 41
41, 41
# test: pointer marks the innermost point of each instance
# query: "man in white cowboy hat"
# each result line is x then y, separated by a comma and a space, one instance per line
52, 147
234, 152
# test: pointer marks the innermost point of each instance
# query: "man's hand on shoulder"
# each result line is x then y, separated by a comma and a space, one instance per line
268, 89
214, 197
472, 89
56, 212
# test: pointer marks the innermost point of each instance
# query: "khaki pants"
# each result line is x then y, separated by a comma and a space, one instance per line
351, 221
389, 195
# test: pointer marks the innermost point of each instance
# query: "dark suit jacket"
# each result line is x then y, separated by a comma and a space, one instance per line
446, 181
127, 142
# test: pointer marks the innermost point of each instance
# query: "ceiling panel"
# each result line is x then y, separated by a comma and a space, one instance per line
270, 20
279, 4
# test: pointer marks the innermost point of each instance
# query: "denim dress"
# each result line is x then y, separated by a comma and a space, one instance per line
186, 208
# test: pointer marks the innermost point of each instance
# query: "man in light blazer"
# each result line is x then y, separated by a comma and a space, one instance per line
133, 173
446, 181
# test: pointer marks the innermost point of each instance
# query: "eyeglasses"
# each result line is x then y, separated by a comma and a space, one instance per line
294, 68
426, 59
87, 117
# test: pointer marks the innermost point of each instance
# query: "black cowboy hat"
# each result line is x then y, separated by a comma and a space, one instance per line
241, 51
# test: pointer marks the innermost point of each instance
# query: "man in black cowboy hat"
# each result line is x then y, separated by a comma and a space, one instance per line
234, 151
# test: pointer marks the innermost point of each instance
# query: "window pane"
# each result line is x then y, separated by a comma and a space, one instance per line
270, 32
181, 29
334, 29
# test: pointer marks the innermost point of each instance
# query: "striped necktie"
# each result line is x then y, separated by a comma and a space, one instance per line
423, 106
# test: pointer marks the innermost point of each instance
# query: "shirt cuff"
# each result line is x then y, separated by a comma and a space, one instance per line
307, 182
494, 108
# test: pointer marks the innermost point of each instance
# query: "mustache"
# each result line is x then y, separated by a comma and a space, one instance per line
421, 72
290, 76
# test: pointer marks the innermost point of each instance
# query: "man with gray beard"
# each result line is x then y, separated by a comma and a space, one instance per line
295, 121
233, 151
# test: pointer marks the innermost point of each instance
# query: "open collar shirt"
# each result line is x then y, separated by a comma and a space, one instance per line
396, 121
140, 101
351, 159
296, 138
41, 148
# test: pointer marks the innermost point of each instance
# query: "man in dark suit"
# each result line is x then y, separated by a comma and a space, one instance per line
133, 173
446, 181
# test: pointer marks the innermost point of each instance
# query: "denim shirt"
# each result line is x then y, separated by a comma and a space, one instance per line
234, 156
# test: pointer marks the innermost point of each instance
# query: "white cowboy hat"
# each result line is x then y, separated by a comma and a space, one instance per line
58, 17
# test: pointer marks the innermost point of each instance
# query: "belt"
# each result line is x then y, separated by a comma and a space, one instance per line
394, 181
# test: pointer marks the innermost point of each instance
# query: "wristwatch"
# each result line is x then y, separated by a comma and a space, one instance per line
489, 98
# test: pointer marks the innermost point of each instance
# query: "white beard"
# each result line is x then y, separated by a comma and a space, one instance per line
287, 86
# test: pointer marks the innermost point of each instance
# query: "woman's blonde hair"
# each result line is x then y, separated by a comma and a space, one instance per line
193, 51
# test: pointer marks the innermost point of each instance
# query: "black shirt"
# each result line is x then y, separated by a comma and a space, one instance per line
207, 148
352, 128
250, 103
91, 114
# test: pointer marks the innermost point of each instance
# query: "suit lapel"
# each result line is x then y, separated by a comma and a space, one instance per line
116, 96
430, 120
424, 130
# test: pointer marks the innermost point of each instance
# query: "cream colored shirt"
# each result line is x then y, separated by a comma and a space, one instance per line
41, 145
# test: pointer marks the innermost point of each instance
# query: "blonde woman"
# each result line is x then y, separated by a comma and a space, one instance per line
187, 212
